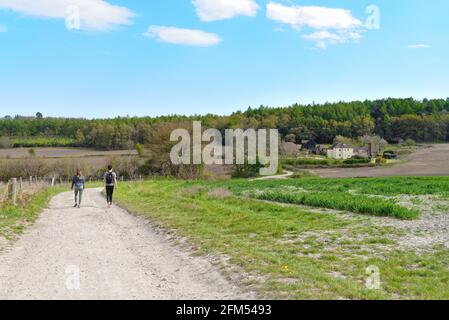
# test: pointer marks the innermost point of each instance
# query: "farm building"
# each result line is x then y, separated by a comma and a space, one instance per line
320, 150
362, 152
340, 151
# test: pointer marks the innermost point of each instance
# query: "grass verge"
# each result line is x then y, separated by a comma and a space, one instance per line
14, 219
343, 201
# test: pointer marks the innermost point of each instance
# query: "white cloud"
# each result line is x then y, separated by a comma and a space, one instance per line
2, 29
330, 25
313, 17
325, 38
94, 14
188, 37
212, 10
419, 46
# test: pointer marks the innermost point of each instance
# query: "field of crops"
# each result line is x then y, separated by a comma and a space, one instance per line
372, 196
302, 252
36, 142
342, 201
389, 186
326, 162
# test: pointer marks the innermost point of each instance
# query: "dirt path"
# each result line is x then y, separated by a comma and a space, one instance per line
431, 161
286, 174
99, 253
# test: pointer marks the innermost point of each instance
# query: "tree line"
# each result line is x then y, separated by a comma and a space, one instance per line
393, 119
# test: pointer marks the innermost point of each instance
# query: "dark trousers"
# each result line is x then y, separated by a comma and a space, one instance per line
109, 193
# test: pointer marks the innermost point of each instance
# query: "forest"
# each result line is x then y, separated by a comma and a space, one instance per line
393, 119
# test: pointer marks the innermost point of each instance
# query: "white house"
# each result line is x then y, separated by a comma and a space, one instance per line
340, 151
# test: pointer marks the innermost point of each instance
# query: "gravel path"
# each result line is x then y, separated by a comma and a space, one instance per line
286, 174
100, 253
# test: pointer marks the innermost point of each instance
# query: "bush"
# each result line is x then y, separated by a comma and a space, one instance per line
23, 168
326, 162
357, 161
306, 162
127, 167
140, 150
247, 170
381, 160
302, 175
410, 142
42, 142
5, 143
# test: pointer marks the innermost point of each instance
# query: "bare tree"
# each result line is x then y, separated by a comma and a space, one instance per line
375, 144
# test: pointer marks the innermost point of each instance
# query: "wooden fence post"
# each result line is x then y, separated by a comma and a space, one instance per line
53, 181
12, 191
31, 180
20, 183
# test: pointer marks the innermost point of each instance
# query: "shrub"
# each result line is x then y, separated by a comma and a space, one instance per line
140, 150
42, 142
23, 168
357, 161
5, 143
326, 162
247, 170
410, 142
127, 167
32, 152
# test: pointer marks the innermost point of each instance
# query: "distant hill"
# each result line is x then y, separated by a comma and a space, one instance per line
393, 119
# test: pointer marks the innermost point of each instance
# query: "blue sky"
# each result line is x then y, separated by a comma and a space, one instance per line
133, 57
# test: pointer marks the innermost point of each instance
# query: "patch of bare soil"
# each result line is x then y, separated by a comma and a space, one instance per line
430, 230
62, 152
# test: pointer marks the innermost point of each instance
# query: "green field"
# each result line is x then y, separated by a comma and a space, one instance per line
300, 252
389, 186
42, 142
327, 162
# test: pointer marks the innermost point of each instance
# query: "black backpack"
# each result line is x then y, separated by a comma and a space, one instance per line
109, 178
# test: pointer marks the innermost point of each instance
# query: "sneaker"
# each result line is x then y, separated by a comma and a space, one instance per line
79, 206
75, 205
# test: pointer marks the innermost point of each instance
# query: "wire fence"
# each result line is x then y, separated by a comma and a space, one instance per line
17, 191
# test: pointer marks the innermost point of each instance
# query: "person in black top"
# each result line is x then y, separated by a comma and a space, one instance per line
110, 180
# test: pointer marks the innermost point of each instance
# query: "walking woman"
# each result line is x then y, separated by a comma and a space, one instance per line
78, 184
110, 180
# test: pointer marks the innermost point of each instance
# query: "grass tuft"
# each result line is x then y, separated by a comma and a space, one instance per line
343, 201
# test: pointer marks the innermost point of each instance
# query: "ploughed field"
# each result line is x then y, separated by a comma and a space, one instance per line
433, 160
62, 162
62, 153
